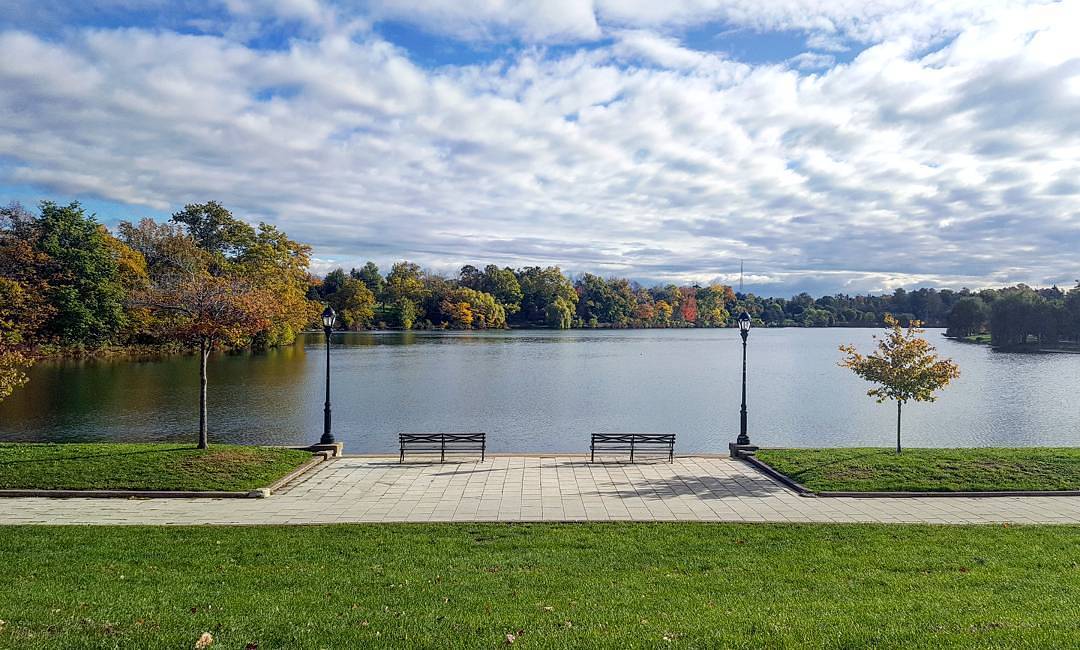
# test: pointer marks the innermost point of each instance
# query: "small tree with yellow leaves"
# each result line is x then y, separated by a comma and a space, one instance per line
905, 367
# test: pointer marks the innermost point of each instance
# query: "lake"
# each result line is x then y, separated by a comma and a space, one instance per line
548, 390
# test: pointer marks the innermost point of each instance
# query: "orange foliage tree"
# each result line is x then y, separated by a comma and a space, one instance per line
904, 367
209, 311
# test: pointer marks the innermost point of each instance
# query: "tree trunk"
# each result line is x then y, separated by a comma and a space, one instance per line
204, 352
899, 405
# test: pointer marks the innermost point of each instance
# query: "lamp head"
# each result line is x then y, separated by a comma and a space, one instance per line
744, 322
328, 318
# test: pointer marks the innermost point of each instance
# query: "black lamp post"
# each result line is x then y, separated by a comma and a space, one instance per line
328, 318
744, 331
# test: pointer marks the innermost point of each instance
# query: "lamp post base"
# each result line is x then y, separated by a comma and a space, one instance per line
335, 448
741, 451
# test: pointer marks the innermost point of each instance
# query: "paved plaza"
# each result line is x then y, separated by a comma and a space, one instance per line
536, 488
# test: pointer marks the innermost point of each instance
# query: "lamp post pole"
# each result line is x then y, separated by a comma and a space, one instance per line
744, 331
328, 328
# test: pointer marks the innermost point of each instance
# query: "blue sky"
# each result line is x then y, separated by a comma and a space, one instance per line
832, 145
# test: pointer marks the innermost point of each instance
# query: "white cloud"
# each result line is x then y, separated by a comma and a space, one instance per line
639, 157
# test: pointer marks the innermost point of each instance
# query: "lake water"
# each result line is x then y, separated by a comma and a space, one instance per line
547, 391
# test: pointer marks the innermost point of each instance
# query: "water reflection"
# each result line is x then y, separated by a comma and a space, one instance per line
546, 391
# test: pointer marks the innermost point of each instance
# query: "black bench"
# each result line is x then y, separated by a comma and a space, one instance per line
635, 443
443, 443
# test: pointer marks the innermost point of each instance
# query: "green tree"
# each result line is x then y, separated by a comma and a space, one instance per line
1072, 310
559, 313
370, 276
540, 288
404, 292
215, 229
904, 367
968, 316
1014, 316
84, 281
350, 298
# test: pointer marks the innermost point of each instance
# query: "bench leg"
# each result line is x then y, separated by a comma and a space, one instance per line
401, 459
631, 451
483, 451
592, 457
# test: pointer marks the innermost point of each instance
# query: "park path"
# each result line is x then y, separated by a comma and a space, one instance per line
537, 488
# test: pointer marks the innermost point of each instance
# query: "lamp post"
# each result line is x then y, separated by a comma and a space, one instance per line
328, 318
744, 331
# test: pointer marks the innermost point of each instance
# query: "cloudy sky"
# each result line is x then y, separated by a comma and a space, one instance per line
834, 145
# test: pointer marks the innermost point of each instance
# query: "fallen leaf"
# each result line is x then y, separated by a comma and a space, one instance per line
205, 641
510, 638
548, 608
252, 646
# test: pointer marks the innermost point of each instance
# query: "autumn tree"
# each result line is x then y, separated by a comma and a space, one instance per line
210, 311
196, 307
904, 367
14, 358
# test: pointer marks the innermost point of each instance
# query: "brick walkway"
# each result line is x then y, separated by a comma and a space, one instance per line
527, 488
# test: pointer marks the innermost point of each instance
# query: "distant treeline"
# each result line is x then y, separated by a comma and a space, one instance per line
206, 278
409, 297
1018, 315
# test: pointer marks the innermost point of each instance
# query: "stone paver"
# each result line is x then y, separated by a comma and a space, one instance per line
534, 488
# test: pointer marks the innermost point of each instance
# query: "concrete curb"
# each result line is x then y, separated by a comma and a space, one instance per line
257, 493
804, 491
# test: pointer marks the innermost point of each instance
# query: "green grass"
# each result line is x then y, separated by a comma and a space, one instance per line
928, 470
143, 466
551, 585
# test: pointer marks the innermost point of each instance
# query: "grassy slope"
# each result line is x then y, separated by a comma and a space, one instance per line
143, 466
561, 585
929, 470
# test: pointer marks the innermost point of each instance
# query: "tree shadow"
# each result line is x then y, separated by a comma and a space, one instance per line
703, 487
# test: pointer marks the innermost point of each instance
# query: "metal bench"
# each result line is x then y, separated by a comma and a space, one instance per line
635, 443
443, 444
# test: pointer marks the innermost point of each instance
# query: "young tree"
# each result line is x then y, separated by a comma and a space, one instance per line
212, 311
904, 366
195, 307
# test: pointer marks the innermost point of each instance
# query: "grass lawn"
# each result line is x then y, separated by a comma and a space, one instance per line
143, 466
550, 585
928, 470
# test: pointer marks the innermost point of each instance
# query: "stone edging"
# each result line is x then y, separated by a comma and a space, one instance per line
804, 491
258, 493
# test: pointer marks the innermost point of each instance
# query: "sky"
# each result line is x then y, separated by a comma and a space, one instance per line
831, 145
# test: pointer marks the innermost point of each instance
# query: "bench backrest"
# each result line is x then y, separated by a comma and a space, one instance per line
441, 437
636, 438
